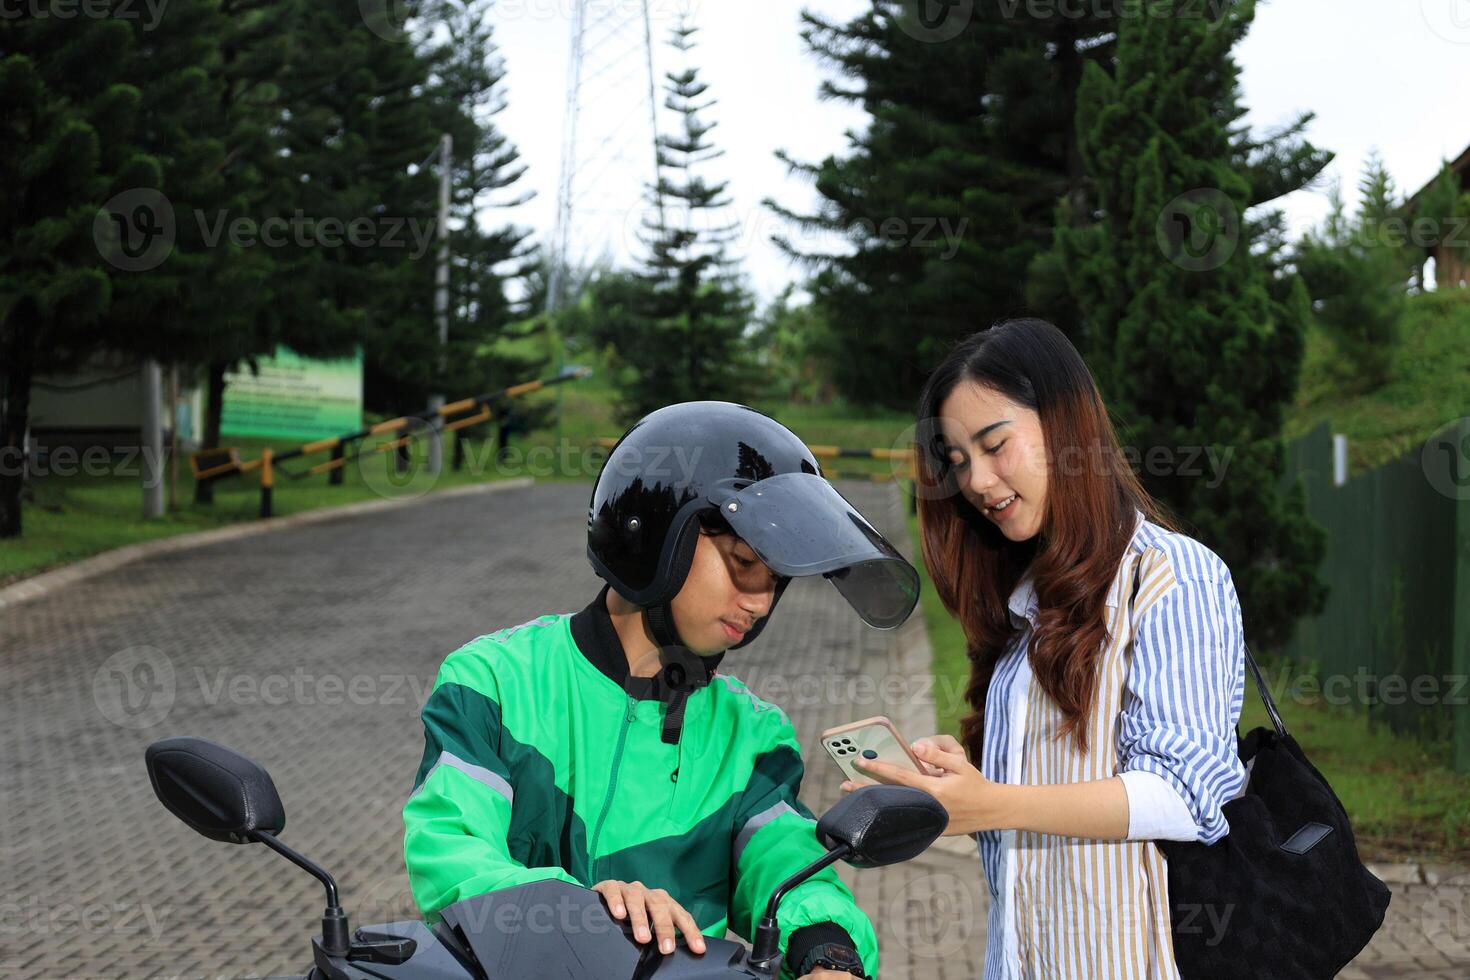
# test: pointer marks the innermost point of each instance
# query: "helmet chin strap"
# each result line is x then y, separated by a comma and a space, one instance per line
683, 670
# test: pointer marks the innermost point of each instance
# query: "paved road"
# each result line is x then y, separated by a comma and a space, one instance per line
311, 650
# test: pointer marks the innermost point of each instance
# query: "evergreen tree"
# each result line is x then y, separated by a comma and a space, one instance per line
677, 328
1356, 269
356, 131
68, 115
974, 134
795, 349
948, 199
365, 116
1190, 345
244, 294
470, 87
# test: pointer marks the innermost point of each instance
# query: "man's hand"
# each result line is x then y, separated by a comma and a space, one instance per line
645, 906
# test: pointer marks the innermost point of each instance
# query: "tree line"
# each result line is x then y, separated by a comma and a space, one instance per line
1087, 165
201, 181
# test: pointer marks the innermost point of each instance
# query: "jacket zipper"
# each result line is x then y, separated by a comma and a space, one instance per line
612, 783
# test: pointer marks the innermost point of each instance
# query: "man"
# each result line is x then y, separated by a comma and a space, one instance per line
603, 749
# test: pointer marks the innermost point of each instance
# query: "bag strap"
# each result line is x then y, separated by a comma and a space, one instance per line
1276, 721
1250, 661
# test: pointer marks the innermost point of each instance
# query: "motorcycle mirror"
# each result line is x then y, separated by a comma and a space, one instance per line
870, 827
230, 798
882, 825
215, 790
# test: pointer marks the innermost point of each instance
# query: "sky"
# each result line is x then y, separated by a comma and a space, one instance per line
1380, 74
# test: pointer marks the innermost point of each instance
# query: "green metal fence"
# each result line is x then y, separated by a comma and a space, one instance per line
1394, 638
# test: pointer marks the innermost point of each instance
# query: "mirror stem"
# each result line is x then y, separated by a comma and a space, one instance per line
768, 935
335, 938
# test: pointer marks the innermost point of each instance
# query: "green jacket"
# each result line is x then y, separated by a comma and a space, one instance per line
539, 763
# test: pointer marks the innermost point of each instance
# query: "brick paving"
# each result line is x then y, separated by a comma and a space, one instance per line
310, 649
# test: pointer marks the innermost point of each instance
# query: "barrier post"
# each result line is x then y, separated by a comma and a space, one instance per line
267, 481
334, 479
1460, 631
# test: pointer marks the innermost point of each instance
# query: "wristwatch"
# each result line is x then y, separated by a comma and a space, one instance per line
833, 956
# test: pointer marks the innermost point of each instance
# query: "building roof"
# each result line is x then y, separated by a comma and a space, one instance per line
1460, 167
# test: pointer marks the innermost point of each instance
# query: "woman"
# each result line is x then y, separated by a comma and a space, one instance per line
1107, 662
603, 749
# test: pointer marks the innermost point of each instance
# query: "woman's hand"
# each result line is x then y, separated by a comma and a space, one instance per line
973, 802
645, 905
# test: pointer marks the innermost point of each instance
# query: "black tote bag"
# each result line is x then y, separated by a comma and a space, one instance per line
1283, 896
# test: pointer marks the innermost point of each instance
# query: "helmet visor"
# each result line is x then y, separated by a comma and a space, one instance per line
798, 524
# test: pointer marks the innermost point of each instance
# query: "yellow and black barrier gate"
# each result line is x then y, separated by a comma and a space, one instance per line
216, 463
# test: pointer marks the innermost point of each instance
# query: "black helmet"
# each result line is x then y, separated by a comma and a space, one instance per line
709, 456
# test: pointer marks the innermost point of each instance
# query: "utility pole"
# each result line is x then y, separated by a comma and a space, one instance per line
441, 303
152, 440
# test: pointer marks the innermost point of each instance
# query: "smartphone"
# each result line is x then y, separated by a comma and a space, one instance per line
871, 738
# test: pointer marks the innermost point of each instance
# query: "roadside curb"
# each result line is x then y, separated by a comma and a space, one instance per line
914, 655
1415, 873
48, 582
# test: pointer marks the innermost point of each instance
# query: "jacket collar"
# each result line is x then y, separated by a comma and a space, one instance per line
1023, 603
599, 643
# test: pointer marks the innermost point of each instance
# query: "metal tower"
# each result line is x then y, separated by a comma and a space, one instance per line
609, 152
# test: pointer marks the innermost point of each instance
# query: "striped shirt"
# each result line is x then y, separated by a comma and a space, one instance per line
1163, 720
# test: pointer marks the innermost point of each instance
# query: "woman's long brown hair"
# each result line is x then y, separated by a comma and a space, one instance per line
1087, 520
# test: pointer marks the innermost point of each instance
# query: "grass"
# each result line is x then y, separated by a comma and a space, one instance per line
1425, 388
68, 518
72, 517
1404, 800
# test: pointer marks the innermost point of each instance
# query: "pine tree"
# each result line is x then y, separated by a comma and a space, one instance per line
1356, 269
356, 130
65, 129
794, 348
678, 327
1190, 346
244, 290
948, 198
486, 329
974, 132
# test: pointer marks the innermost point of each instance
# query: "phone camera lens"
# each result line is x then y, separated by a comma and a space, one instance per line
869, 754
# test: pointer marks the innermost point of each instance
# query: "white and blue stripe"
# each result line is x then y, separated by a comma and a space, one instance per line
1165, 709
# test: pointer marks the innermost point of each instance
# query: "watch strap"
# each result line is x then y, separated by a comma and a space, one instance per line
807, 938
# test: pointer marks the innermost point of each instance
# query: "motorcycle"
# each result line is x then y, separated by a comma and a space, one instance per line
549, 929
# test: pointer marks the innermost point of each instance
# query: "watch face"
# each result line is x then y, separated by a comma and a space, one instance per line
835, 958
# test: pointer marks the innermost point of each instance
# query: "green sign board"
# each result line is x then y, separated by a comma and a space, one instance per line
295, 398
